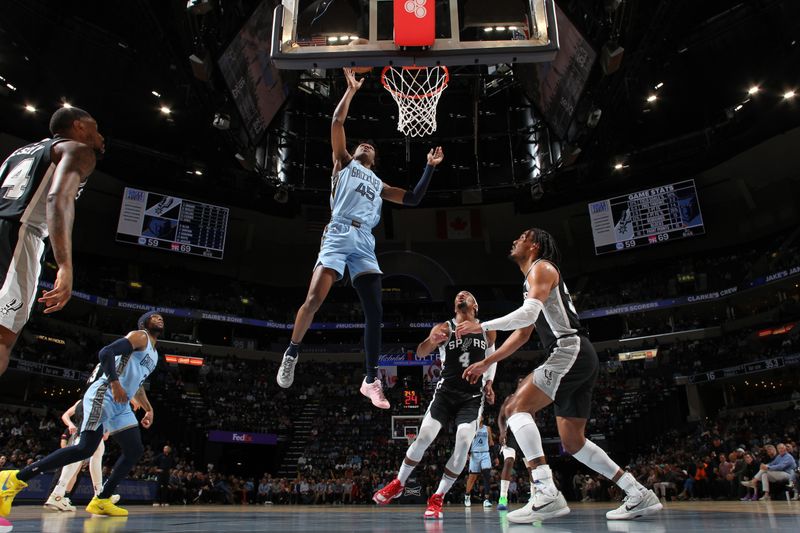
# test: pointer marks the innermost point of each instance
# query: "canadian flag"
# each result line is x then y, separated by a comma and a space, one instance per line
414, 22
458, 224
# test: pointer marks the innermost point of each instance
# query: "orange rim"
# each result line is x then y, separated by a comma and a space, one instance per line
399, 94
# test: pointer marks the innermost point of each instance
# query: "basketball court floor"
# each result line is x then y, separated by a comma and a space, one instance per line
686, 517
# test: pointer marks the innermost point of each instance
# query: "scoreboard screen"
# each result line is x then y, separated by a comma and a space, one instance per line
171, 223
642, 218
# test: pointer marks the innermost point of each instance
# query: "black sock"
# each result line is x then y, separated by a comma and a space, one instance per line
291, 351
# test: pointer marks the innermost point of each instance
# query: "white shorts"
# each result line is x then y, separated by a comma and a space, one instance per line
21, 252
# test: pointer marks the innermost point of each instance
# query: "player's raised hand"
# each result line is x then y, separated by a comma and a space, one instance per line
55, 299
435, 156
352, 82
474, 372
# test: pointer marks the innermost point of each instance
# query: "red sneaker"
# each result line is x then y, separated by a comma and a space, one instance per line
434, 510
388, 493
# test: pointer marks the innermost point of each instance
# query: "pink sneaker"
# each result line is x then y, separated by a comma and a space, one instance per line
388, 493
374, 391
434, 510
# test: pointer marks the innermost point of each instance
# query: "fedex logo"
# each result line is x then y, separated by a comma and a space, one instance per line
242, 437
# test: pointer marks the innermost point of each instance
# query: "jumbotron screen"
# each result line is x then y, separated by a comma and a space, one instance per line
171, 223
642, 218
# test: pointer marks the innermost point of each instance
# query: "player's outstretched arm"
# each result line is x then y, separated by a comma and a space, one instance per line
338, 138
513, 343
412, 198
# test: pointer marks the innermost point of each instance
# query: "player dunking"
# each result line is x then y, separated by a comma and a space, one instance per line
480, 463
39, 184
454, 399
126, 363
356, 197
566, 378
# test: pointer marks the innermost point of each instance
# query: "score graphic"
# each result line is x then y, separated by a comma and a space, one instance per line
410, 400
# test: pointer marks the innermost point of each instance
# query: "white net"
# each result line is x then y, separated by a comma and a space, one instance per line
416, 91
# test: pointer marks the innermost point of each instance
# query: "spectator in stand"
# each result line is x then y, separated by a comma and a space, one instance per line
780, 470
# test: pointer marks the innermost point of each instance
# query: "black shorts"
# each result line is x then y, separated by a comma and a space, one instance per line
568, 377
461, 406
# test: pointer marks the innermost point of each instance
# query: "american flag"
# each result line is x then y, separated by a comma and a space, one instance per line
314, 40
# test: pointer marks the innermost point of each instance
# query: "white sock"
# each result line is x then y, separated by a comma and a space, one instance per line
629, 484
445, 484
542, 478
527, 435
597, 459
504, 488
405, 471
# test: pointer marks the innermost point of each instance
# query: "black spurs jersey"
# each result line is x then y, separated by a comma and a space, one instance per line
457, 354
25, 180
558, 317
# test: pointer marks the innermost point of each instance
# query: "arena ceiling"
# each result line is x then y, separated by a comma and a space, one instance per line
124, 61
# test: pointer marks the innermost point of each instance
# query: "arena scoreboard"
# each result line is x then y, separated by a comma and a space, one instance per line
171, 223
642, 218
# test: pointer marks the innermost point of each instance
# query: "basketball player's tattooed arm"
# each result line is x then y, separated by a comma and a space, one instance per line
439, 334
396, 195
74, 162
338, 138
140, 399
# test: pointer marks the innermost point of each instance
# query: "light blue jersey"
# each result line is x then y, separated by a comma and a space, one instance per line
99, 407
481, 441
356, 195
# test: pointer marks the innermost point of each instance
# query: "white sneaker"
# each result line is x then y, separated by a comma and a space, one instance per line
540, 507
59, 503
467, 500
487, 504
642, 504
286, 371
374, 391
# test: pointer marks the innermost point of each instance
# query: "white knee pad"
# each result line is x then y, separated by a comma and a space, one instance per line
427, 432
464, 436
509, 453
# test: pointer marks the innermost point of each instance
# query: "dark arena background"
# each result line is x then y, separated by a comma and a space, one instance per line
657, 141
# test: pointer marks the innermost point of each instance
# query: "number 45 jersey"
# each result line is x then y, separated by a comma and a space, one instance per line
356, 195
25, 180
456, 355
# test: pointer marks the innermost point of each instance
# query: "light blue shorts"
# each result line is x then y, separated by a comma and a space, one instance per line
479, 461
101, 411
344, 245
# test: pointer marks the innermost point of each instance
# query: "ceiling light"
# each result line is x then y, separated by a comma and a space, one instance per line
353, 37
788, 95
652, 98
66, 105
512, 28
333, 39
753, 90
198, 172
618, 166
738, 107
487, 30
659, 85
156, 94
165, 110
29, 108
500, 28
11, 87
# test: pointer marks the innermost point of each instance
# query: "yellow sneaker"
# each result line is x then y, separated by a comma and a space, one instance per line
104, 507
9, 487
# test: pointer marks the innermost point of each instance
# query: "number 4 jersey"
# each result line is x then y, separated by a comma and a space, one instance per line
25, 178
356, 195
457, 354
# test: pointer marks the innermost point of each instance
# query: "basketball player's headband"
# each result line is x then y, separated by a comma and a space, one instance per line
145, 317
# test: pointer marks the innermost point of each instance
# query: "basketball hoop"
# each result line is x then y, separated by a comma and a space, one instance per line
416, 90
411, 438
